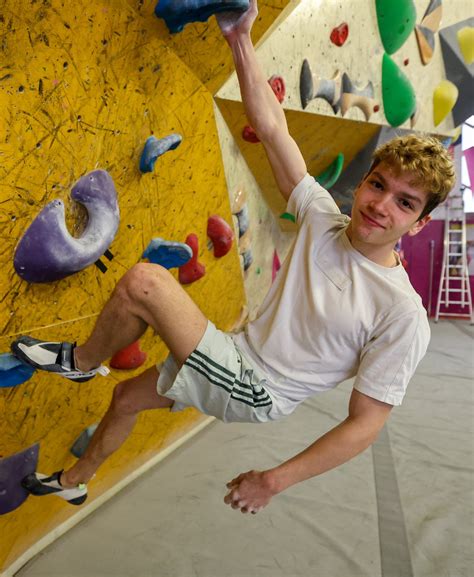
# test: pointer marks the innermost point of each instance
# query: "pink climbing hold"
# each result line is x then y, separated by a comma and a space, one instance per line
192, 270
130, 357
221, 235
276, 265
339, 34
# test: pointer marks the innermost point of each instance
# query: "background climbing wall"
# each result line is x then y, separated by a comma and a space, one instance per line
81, 87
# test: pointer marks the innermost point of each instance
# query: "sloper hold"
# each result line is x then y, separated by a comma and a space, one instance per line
457, 70
47, 252
425, 31
193, 270
12, 371
221, 235
167, 253
128, 358
328, 177
396, 21
82, 442
444, 99
178, 13
12, 471
399, 100
465, 38
155, 147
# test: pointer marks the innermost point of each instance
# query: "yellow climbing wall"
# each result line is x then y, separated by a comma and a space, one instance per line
82, 85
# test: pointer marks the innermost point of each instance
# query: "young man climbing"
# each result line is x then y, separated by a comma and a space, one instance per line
342, 306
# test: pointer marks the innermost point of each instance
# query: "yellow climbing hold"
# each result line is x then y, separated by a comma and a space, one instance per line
466, 43
444, 99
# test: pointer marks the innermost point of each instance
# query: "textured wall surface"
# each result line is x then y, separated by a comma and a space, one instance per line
81, 87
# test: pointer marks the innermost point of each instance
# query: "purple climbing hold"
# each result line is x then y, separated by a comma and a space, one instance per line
178, 13
47, 252
12, 371
168, 254
155, 147
12, 471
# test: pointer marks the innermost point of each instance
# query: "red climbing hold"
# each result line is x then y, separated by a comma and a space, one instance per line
221, 235
278, 86
406, 62
276, 265
339, 34
192, 270
130, 357
376, 108
248, 134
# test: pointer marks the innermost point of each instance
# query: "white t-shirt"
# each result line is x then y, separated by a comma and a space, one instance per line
332, 314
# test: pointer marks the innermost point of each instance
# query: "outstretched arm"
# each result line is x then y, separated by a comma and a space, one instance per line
261, 106
253, 490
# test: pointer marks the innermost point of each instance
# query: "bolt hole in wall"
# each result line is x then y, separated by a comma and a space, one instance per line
427, 247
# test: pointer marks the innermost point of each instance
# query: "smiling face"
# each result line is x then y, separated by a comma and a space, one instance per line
387, 205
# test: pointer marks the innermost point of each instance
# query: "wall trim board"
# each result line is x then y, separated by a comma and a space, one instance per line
88, 509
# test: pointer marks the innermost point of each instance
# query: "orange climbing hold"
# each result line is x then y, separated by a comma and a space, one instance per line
192, 270
221, 235
339, 34
130, 357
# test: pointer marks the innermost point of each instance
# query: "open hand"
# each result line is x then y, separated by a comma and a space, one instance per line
232, 23
250, 492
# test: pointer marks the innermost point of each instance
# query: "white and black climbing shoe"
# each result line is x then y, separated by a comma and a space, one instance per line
39, 485
53, 357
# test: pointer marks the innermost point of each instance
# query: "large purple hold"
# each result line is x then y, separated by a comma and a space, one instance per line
12, 471
47, 252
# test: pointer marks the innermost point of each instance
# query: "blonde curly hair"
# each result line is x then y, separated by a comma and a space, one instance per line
427, 159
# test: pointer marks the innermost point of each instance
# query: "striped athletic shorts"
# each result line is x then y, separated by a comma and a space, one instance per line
218, 380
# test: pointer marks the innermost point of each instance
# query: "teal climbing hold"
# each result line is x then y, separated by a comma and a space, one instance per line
399, 100
396, 20
12, 371
328, 177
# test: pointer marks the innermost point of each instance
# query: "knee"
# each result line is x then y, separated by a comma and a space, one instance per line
123, 400
142, 280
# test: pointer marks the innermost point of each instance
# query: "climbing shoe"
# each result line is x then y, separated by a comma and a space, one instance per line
39, 485
53, 357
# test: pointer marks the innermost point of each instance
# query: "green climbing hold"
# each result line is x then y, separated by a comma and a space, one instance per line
288, 216
331, 173
396, 22
399, 99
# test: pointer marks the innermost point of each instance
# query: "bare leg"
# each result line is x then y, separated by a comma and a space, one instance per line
130, 397
147, 295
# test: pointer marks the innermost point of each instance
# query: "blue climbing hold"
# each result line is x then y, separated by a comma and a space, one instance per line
167, 253
178, 13
155, 147
12, 371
